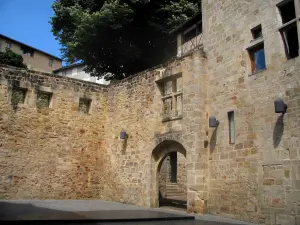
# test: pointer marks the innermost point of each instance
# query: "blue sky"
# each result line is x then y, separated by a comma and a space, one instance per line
28, 21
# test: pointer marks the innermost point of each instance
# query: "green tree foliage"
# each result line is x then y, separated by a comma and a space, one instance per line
12, 59
120, 37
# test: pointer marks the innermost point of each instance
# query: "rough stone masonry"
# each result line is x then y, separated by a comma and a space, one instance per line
66, 151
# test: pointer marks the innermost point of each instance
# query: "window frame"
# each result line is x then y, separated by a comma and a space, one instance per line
173, 96
27, 51
50, 62
285, 26
231, 118
255, 29
251, 52
7, 43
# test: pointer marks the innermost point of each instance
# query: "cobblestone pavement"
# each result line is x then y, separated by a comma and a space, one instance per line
94, 206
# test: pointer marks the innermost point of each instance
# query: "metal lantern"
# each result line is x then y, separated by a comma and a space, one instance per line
280, 106
123, 135
213, 122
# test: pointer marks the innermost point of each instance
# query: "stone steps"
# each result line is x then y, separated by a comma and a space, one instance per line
173, 191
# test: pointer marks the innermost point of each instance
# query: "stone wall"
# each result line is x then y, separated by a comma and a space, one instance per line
56, 152
181, 172
256, 179
135, 105
67, 154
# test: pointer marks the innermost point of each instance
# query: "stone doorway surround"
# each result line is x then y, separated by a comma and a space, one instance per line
158, 155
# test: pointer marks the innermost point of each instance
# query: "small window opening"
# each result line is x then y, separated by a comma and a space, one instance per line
8, 45
27, 51
18, 96
43, 99
257, 32
84, 105
231, 127
257, 57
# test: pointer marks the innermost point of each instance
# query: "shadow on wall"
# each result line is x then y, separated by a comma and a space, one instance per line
278, 131
213, 141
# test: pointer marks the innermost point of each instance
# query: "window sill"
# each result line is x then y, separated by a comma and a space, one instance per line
257, 72
172, 118
254, 43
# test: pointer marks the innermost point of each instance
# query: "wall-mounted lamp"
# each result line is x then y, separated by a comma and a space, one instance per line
280, 106
123, 135
213, 122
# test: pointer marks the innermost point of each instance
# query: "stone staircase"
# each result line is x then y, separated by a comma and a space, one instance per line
174, 192
174, 197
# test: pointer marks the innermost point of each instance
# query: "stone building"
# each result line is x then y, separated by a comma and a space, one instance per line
35, 59
76, 71
69, 139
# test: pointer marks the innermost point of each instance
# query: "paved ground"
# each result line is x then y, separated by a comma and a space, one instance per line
93, 208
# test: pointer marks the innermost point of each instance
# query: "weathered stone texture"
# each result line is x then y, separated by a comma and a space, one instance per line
56, 152
62, 153
251, 179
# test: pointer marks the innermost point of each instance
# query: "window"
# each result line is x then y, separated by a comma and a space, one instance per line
257, 57
27, 50
84, 105
50, 62
191, 32
172, 97
8, 45
231, 127
256, 32
43, 99
18, 96
288, 30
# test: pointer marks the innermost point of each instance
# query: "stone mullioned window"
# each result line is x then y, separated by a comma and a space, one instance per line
172, 97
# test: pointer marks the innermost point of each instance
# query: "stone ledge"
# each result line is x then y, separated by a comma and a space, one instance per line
171, 119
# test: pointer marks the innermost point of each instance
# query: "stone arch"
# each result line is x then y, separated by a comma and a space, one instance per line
159, 153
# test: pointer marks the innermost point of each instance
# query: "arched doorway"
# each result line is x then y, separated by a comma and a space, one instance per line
169, 175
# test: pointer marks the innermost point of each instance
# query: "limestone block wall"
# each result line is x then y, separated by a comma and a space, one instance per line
135, 105
62, 153
56, 152
181, 172
256, 178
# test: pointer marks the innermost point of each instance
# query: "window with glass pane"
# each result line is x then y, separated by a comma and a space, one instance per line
231, 127
172, 97
257, 56
168, 88
168, 108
